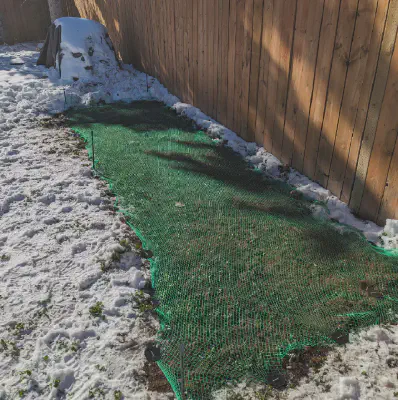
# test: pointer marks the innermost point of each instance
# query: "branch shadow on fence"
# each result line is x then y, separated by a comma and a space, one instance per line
322, 145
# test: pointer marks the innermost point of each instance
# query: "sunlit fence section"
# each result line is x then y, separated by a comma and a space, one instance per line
314, 81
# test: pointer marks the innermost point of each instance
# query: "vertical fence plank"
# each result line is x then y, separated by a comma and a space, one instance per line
137, 56
163, 34
169, 51
255, 68
389, 207
345, 30
307, 79
265, 61
180, 46
366, 91
273, 73
147, 54
150, 56
201, 46
194, 62
231, 63
24, 20
321, 81
220, 63
131, 32
222, 98
286, 32
144, 39
211, 62
214, 66
293, 106
240, 20
160, 40
190, 51
356, 72
379, 88
246, 67
205, 81
305, 51
186, 28
173, 42
163, 61
125, 27
209, 55
383, 147
140, 39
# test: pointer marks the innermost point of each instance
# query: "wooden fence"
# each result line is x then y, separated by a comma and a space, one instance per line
24, 20
313, 81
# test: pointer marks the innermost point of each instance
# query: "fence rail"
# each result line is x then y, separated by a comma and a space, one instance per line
313, 81
23, 20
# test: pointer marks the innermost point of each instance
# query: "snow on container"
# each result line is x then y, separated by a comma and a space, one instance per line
79, 49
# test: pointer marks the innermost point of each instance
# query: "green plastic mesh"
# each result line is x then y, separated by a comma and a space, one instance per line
243, 273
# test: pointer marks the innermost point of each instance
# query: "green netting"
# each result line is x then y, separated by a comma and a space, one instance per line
242, 271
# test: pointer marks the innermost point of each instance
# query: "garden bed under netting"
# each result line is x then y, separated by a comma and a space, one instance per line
243, 272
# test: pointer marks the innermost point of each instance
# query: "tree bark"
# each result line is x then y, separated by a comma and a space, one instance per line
55, 7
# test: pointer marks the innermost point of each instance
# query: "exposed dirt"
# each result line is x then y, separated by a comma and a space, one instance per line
157, 382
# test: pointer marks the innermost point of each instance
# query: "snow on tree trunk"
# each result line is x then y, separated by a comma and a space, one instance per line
55, 7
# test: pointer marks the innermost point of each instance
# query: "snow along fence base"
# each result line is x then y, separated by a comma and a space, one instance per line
243, 272
312, 81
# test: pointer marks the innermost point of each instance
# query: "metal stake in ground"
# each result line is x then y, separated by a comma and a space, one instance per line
182, 350
92, 148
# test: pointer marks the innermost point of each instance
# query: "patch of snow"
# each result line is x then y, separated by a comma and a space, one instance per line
390, 234
86, 50
56, 231
348, 389
17, 61
364, 369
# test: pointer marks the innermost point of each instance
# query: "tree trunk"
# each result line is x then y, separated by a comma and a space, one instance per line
55, 7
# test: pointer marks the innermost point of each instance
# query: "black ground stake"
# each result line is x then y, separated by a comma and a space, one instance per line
92, 148
152, 353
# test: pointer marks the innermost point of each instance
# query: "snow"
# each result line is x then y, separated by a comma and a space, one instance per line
370, 361
365, 369
57, 231
85, 46
53, 275
58, 234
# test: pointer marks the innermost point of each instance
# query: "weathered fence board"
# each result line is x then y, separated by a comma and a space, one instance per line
337, 81
24, 21
362, 111
265, 61
313, 81
320, 87
357, 61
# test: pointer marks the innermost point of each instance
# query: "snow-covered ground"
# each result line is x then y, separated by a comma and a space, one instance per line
69, 318
70, 275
